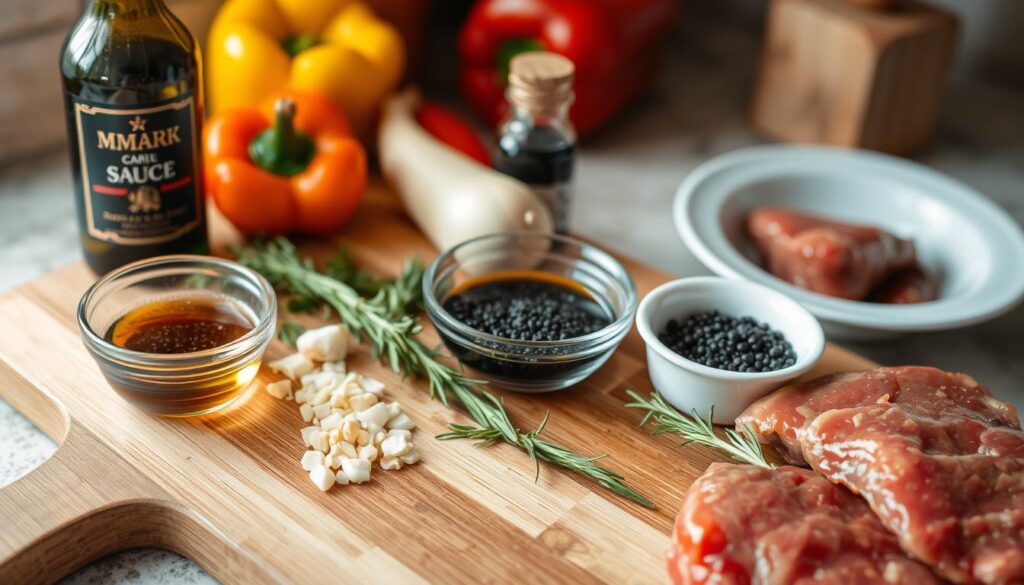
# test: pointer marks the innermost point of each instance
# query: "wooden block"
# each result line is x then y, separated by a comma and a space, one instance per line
833, 72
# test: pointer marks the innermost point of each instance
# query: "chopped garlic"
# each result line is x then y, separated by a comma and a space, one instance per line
362, 438
395, 446
368, 452
413, 456
351, 424
321, 411
403, 432
401, 421
323, 477
390, 463
281, 389
350, 384
376, 415
372, 386
322, 380
394, 409
308, 435
294, 366
363, 401
336, 367
312, 459
348, 450
307, 380
331, 422
320, 398
325, 344
357, 470
350, 430
320, 442
339, 400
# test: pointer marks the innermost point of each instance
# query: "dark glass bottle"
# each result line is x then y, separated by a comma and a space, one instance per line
537, 142
133, 101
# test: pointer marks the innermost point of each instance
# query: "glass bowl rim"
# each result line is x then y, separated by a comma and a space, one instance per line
436, 310
267, 319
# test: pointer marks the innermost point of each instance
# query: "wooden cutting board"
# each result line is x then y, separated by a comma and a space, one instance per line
226, 490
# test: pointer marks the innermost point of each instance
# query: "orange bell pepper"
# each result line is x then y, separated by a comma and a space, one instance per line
291, 164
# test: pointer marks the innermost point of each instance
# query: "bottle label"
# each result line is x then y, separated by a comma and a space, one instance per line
139, 170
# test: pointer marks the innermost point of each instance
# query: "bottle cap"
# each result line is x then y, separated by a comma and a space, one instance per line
540, 81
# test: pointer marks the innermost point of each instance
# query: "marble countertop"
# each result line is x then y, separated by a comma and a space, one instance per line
627, 178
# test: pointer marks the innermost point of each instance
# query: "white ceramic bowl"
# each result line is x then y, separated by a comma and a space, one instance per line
690, 386
977, 249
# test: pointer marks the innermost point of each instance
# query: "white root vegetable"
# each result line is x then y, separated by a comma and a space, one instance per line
450, 196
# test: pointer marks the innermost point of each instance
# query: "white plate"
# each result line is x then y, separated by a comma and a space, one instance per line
977, 249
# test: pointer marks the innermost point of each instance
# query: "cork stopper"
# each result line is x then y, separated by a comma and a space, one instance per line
540, 81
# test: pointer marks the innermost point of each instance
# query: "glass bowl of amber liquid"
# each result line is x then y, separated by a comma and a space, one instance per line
527, 311
179, 335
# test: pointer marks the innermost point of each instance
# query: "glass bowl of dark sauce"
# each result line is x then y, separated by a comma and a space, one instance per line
179, 335
529, 312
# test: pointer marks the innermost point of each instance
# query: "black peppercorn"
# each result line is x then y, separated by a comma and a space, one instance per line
729, 343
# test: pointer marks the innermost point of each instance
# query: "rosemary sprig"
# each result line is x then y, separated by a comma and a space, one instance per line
392, 334
400, 295
694, 429
289, 332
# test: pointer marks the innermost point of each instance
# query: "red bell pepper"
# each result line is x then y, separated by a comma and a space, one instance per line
449, 128
612, 43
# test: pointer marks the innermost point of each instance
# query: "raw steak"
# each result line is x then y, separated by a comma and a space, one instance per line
951, 487
780, 417
913, 285
743, 524
935, 455
828, 257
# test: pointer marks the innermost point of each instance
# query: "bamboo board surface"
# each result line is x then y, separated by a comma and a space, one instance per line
227, 491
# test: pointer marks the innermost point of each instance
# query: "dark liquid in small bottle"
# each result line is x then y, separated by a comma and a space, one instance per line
179, 326
545, 160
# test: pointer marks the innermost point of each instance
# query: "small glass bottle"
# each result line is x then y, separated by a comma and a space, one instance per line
537, 142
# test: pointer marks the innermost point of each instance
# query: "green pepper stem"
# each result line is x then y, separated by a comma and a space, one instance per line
282, 149
299, 43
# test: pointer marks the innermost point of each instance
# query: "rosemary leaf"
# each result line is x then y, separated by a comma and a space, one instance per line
289, 332
303, 305
384, 319
694, 429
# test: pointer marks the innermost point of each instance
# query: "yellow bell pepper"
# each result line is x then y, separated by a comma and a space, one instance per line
336, 47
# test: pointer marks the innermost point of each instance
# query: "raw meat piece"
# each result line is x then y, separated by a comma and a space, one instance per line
828, 257
914, 285
935, 455
780, 417
951, 488
743, 524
